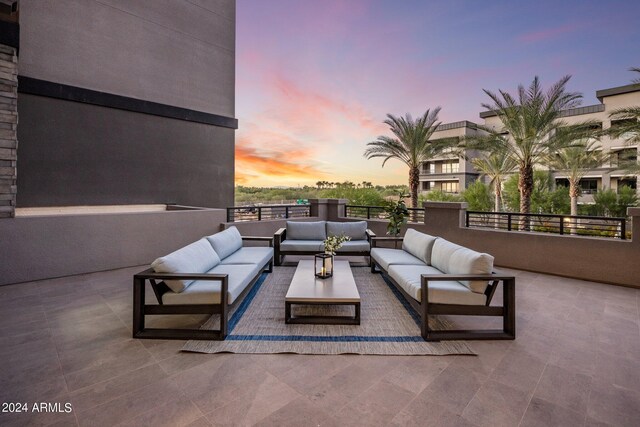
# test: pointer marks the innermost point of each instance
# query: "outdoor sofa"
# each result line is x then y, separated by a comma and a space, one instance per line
440, 277
307, 238
204, 277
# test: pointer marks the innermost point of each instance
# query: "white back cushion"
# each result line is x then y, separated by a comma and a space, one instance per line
226, 242
418, 244
441, 254
467, 261
355, 230
314, 230
455, 259
198, 257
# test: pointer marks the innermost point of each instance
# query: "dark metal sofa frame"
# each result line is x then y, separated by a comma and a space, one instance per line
141, 309
425, 308
281, 235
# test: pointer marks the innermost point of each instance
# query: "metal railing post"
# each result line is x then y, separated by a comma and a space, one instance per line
229, 214
623, 229
561, 224
509, 216
286, 211
259, 213
466, 219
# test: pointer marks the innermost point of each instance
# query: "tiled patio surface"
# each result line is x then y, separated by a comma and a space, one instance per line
575, 363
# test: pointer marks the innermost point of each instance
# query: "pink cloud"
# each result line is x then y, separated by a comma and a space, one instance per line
547, 33
323, 115
252, 163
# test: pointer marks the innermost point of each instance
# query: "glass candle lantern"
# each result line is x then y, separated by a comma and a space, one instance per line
323, 265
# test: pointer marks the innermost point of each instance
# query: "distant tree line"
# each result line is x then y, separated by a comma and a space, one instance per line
364, 193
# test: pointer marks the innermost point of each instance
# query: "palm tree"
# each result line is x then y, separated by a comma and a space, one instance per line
576, 160
496, 167
410, 144
530, 119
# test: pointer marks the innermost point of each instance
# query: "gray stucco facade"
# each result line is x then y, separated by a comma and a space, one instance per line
167, 54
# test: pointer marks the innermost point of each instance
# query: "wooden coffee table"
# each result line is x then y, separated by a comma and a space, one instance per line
306, 289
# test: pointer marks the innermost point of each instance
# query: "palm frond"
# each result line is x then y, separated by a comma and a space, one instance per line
577, 159
636, 70
627, 124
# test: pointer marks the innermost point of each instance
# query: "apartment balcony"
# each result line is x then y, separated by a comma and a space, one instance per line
66, 334
441, 176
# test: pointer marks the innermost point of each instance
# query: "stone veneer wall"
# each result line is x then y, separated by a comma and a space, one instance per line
8, 129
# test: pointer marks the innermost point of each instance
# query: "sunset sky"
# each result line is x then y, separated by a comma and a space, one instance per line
315, 78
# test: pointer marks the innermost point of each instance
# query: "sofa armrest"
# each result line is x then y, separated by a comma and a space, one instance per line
279, 236
150, 274
508, 283
140, 279
259, 239
375, 240
459, 277
370, 234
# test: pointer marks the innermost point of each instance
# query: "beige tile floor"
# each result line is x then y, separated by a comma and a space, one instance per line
575, 363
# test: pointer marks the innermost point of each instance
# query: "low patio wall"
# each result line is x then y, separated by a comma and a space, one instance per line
589, 258
33, 248
39, 247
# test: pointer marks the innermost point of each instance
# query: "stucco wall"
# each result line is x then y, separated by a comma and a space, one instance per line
596, 259
34, 248
180, 53
79, 154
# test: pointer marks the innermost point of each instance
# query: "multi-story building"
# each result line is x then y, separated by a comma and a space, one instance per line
453, 174
448, 172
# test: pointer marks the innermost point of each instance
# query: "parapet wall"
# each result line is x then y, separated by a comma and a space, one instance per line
41, 247
33, 248
588, 258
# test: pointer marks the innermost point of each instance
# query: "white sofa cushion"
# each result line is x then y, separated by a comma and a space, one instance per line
418, 244
250, 255
302, 245
208, 291
387, 256
440, 292
198, 257
441, 254
455, 259
355, 230
467, 261
355, 246
226, 242
314, 230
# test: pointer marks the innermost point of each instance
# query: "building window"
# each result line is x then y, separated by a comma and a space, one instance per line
628, 182
428, 185
429, 167
626, 155
623, 124
450, 187
450, 167
589, 186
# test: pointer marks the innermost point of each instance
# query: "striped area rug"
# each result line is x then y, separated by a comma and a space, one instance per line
389, 325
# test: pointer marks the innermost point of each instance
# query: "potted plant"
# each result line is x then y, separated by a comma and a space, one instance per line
331, 246
333, 243
397, 213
